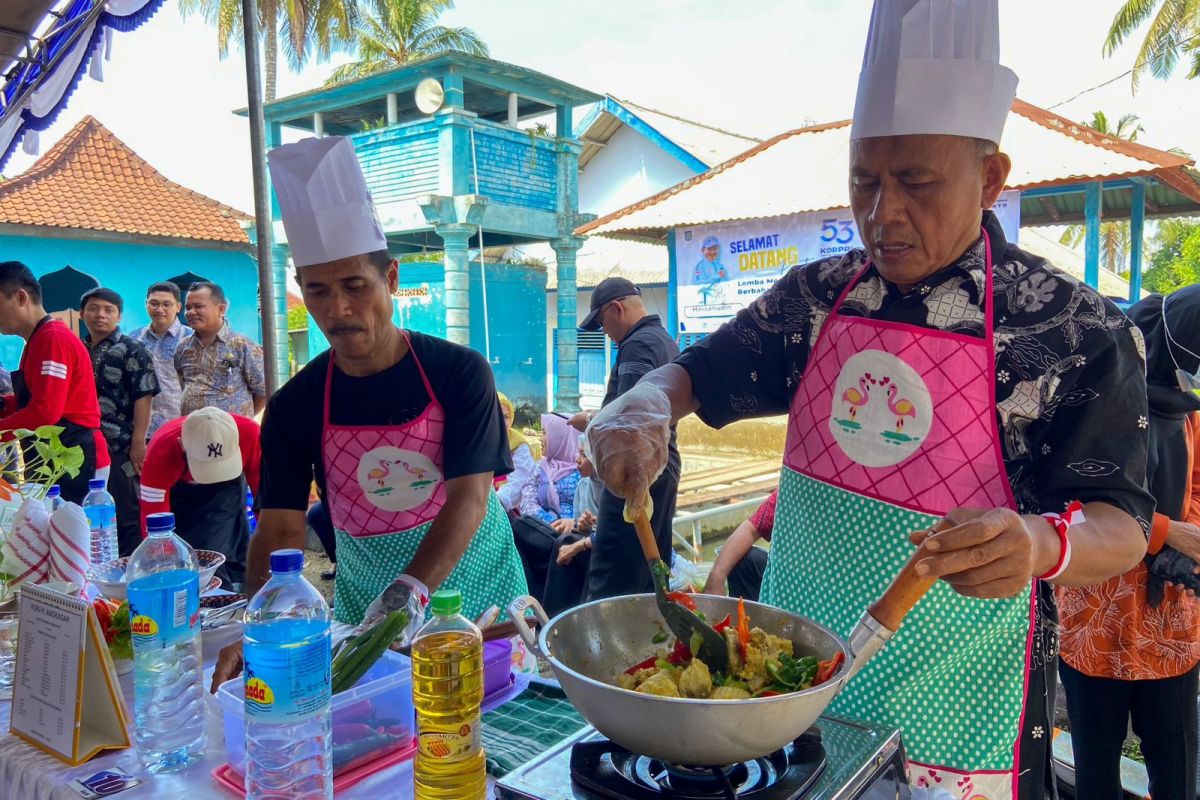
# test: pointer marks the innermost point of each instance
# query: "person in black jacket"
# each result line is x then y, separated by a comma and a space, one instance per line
617, 564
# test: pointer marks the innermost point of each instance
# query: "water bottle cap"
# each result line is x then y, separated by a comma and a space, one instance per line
164, 521
290, 560
446, 602
96, 483
54, 491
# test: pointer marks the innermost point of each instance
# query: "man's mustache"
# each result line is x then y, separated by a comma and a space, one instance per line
341, 329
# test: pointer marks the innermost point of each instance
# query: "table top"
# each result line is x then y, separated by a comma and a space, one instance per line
30, 774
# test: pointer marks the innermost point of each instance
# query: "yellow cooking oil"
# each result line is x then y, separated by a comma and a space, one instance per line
447, 672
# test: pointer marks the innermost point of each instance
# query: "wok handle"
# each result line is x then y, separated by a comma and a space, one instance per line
899, 598
646, 539
882, 619
516, 613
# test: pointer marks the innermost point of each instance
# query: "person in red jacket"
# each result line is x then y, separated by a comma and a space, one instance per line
54, 384
199, 466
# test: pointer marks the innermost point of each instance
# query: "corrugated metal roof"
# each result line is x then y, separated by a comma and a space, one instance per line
644, 264
707, 143
806, 169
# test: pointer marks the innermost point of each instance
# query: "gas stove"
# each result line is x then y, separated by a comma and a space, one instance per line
837, 759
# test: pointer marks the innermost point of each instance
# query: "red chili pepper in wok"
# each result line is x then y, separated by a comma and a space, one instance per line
683, 598
827, 668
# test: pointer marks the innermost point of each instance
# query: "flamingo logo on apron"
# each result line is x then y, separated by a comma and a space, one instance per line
395, 479
882, 410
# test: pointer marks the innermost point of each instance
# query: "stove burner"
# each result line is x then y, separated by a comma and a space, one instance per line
614, 772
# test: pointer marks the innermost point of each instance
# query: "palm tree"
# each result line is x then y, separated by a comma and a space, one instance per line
1174, 31
299, 25
1115, 239
392, 32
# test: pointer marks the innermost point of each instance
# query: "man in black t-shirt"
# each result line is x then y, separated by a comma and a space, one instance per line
401, 431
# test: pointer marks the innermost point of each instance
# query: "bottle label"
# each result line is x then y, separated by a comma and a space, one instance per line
164, 609
448, 742
286, 684
101, 517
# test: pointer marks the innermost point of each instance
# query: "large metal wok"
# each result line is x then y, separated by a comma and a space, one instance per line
590, 645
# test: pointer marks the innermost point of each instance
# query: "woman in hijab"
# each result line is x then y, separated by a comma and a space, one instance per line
1130, 646
509, 487
548, 496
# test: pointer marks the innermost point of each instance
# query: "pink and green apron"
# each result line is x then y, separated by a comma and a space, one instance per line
385, 487
891, 427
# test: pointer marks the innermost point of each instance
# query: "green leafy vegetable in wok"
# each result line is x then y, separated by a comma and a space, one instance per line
760, 665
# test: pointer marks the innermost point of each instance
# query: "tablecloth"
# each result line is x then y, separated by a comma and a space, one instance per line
29, 774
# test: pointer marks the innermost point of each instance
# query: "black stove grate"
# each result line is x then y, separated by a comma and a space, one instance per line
613, 772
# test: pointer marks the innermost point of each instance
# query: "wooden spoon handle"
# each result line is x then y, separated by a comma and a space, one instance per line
903, 593
646, 539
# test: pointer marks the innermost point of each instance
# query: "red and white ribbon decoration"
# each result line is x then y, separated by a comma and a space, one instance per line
1062, 524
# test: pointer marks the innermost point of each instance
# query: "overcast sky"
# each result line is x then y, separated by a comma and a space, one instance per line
777, 66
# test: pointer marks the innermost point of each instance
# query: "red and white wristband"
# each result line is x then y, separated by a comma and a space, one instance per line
1062, 524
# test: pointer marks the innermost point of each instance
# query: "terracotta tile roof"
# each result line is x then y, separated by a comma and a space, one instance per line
92, 180
1046, 149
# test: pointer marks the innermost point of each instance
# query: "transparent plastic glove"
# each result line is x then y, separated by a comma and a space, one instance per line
406, 593
627, 443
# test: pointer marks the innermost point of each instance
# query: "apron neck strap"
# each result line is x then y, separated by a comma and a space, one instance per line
412, 352
987, 285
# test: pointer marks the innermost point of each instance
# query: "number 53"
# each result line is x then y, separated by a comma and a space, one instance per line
835, 230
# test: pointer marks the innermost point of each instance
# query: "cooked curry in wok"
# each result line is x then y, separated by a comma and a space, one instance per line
760, 665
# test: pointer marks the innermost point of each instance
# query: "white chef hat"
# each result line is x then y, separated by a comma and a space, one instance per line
323, 198
933, 66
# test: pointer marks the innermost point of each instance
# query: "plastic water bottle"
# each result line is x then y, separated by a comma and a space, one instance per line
289, 726
164, 611
447, 669
250, 518
101, 510
54, 499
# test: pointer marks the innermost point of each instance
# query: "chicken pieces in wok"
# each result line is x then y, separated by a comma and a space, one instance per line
760, 665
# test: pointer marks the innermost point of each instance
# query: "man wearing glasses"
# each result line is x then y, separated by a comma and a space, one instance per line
162, 337
617, 565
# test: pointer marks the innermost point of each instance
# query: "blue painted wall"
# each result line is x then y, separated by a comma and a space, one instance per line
399, 162
516, 311
433, 156
129, 268
516, 167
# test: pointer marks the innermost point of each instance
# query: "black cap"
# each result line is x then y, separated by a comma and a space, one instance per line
605, 292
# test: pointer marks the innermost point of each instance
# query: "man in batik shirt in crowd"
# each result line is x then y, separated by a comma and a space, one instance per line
162, 338
125, 387
217, 366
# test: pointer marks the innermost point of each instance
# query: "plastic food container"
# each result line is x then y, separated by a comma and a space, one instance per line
497, 666
370, 720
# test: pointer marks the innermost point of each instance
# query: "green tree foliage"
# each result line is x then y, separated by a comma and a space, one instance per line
1173, 33
390, 33
301, 27
1175, 262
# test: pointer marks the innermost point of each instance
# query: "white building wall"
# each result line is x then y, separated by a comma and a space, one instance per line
655, 298
628, 169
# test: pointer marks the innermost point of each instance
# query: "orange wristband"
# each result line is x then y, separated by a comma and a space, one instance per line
1158, 533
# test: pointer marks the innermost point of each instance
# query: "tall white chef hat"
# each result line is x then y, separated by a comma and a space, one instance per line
933, 66
323, 198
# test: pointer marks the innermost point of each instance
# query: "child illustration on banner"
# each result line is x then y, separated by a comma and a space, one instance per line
709, 272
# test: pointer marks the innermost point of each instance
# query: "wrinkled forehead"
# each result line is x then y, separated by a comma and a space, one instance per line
343, 269
915, 154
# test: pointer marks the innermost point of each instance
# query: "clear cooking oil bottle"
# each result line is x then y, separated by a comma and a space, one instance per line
447, 670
